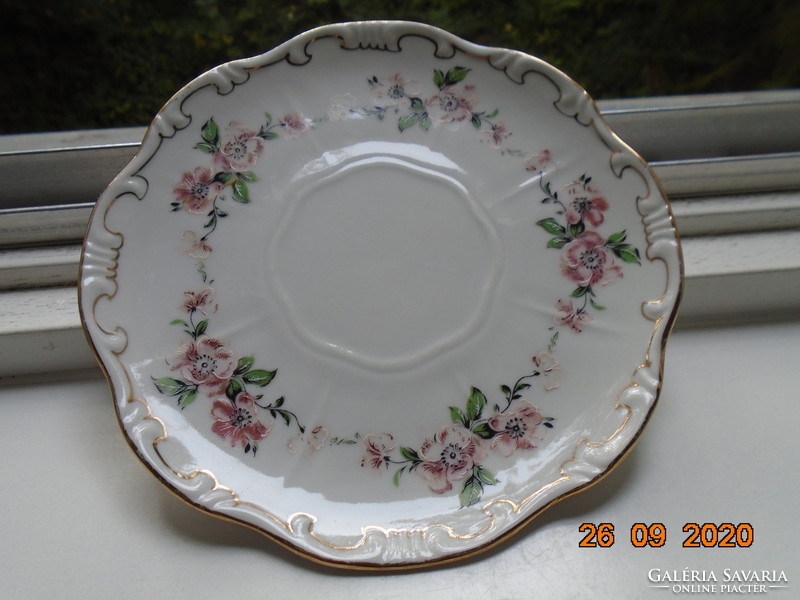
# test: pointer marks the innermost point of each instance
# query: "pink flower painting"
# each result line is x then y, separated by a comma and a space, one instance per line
378, 450
538, 161
588, 262
566, 314
394, 91
205, 362
452, 104
516, 428
197, 191
239, 149
199, 301
293, 125
448, 457
196, 246
496, 135
237, 422
584, 203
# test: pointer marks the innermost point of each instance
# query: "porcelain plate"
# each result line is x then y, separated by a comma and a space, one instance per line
381, 294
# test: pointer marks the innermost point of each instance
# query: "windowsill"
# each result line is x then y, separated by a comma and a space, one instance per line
691, 465
730, 163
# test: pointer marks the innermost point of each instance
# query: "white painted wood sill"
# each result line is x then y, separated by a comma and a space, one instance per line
730, 164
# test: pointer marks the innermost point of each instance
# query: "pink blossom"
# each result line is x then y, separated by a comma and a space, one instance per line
516, 429
567, 315
588, 262
239, 149
451, 105
195, 246
312, 440
585, 202
549, 370
394, 91
293, 125
344, 107
378, 450
236, 421
448, 457
495, 135
194, 301
205, 362
538, 161
197, 191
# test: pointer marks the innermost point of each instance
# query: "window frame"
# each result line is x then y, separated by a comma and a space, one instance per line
730, 164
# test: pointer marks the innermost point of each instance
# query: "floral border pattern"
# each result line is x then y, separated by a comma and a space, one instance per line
457, 452
206, 366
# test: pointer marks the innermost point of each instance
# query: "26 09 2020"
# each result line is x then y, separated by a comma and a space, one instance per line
654, 535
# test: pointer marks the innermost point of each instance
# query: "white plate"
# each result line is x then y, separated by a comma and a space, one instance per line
381, 294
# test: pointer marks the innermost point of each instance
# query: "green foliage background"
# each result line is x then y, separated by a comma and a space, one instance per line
76, 64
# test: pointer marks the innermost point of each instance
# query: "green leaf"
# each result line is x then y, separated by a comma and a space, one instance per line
557, 242
397, 475
627, 253
337, 441
579, 292
493, 114
224, 178
179, 322
248, 176
424, 122
471, 492
259, 377
596, 305
235, 387
244, 365
577, 228
210, 132
506, 390
417, 105
482, 430
458, 416
187, 398
476, 120
550, 225
240, 192
438, 78
408, 121
201, 268
455, 75
553, 341
205, 147
475, 404
483, 475
201, 328
279, 402
409, 454
269, 135
617, 238
169, 386
269, 118
287, 416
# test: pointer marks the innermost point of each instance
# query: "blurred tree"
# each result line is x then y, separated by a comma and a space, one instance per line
71, 64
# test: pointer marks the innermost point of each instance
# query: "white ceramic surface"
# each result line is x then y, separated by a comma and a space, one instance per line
381, 293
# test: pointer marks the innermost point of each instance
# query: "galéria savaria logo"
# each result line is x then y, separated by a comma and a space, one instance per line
725, 581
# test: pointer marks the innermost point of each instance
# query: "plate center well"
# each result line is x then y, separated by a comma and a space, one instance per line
384, 262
